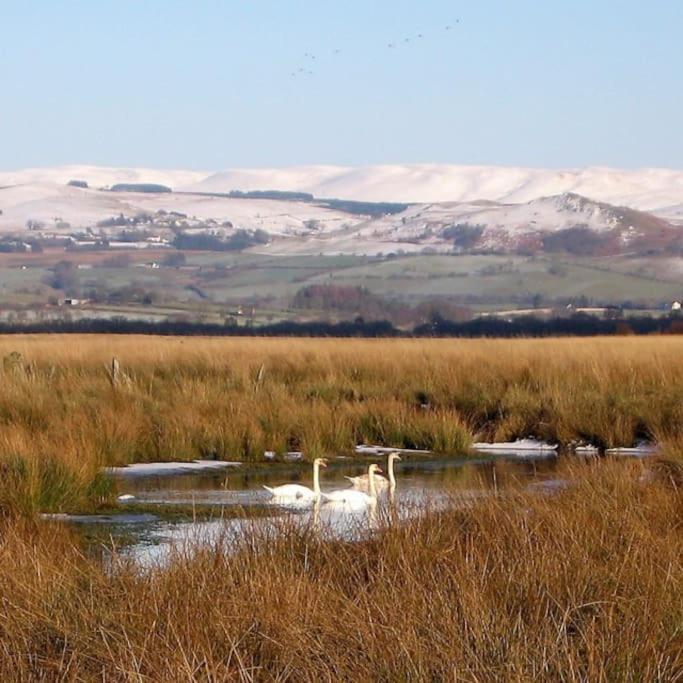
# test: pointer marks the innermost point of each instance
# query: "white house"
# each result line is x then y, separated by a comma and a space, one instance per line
676, 306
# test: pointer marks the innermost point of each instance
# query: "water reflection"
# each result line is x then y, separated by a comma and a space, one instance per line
241, 506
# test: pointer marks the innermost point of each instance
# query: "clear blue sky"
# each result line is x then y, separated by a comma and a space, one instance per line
207, 84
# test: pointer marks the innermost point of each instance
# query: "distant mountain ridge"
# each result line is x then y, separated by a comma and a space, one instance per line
494, 209
647, 189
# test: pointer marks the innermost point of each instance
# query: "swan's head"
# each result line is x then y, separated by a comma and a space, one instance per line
374, 469
394, 456
320, 462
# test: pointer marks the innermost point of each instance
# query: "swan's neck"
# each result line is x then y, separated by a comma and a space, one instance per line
316, 478
392, 478
371, 477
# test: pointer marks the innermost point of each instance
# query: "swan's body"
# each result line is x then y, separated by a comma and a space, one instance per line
362, 482
295, 491
352, 498
298, 492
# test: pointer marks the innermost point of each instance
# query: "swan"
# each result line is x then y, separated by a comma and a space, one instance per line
297, 492
362, 483
356, 498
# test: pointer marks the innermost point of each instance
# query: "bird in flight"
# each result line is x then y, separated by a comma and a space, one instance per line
391, 46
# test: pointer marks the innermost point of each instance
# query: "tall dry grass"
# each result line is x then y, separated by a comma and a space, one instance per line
62, 418
586, 585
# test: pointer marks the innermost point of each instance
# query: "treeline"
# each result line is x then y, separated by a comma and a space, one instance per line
360, 208
356, 328
372, 209
578, 325
282, 195
361, 302
140, 187
239, 240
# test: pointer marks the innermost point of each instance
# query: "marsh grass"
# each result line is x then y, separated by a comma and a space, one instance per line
63, 418
583, 585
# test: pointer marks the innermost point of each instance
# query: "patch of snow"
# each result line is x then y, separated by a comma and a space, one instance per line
143, 469
588, 450
290, 456
363, 449
516, 447
641, 450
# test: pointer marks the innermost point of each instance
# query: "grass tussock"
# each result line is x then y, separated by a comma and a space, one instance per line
66, 411
583, 585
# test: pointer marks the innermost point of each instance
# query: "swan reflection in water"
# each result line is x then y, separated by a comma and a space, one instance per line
249, 513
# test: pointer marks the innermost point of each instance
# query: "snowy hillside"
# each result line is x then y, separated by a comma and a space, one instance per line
53, 205
489, 225
100, 176
484, 208
648, 189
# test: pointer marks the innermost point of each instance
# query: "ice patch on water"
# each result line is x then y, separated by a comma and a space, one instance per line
363, 449
640, 450
142, 469
587, 450
290, 456
521, 447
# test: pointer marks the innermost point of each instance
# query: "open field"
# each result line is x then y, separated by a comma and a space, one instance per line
585, 585
581, 583
215, 281
64, 417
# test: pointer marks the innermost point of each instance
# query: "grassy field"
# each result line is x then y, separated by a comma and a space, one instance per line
586, 585
422, 277
241, 277
63, 416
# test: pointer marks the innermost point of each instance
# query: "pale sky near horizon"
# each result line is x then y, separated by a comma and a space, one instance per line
209, 85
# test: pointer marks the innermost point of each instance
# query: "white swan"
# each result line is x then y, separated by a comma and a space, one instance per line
352, 498
297, 492
362, 482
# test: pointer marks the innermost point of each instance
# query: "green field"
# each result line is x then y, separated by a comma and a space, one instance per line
209, 282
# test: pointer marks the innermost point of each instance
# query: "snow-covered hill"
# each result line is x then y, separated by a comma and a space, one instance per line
645, 189
63, 209
491, 225
648, 189
100, 176
477, 208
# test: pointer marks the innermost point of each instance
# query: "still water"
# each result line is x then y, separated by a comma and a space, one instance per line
174, 512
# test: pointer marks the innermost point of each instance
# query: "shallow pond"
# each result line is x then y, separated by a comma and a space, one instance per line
172, 511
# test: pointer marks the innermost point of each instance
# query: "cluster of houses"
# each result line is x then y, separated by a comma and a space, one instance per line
152, 242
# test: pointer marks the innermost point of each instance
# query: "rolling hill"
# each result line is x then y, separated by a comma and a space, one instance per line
647, 189
449, 208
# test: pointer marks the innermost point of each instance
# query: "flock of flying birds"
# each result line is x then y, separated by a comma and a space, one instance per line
310, 59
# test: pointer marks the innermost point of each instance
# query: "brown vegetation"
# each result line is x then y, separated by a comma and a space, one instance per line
582, 585
62, 418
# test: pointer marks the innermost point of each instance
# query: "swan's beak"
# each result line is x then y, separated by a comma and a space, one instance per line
397, 457
322, 462
378, 470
